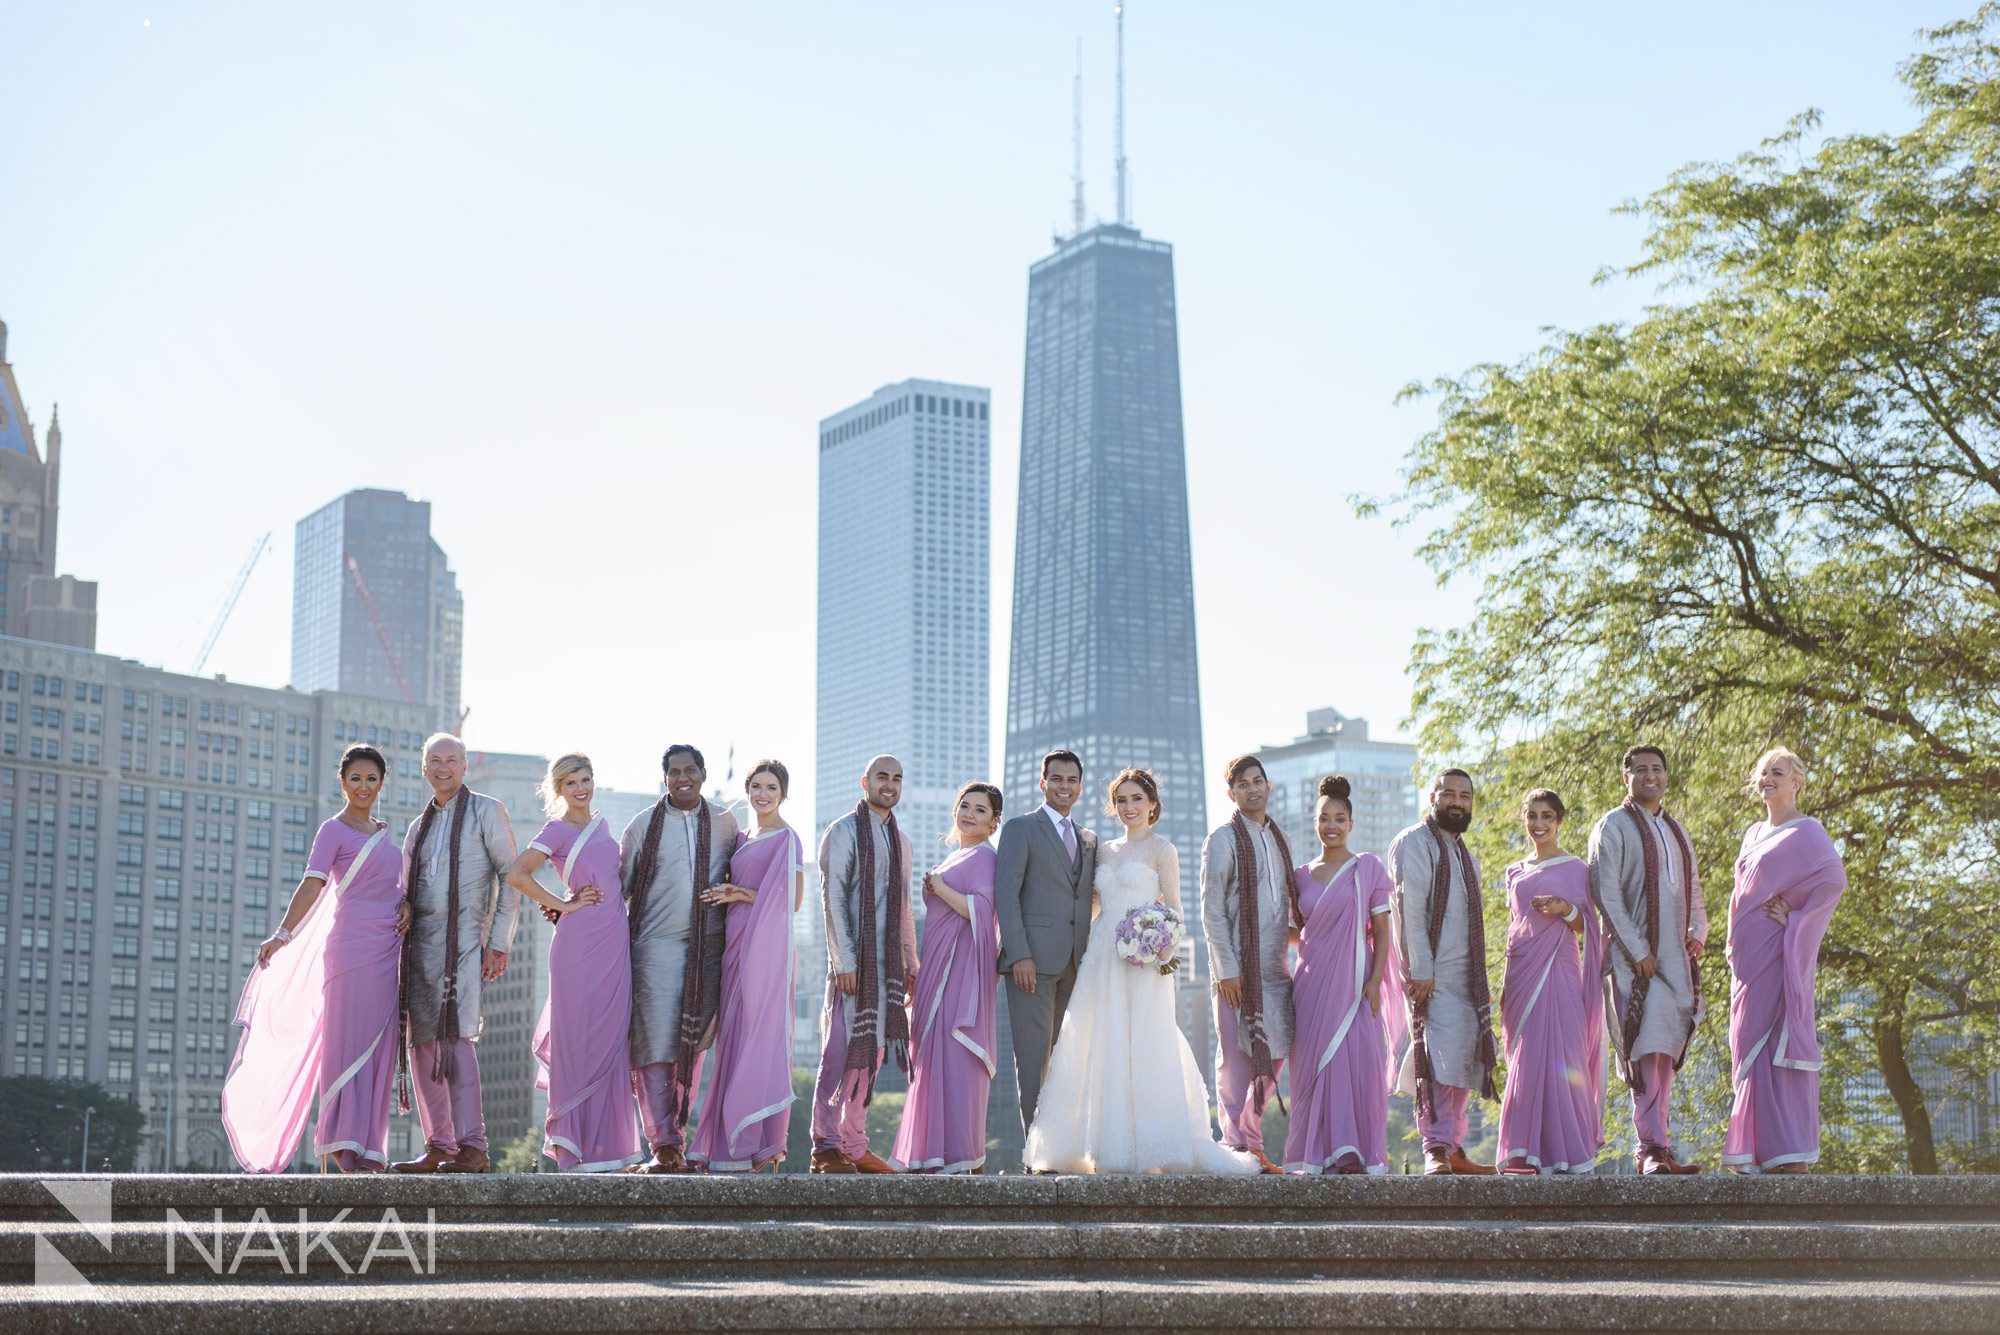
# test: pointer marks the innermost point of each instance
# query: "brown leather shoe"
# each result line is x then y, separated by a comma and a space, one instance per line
1659, 1161
470, 1159
1437, 1161
872, 1162
1465, 1167
831, 1160
1264, 1165
433, 1161
666, 1159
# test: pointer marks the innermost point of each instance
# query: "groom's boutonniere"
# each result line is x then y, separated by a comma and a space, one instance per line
1089, 838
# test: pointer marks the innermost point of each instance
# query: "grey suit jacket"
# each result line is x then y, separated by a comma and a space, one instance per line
1042, 899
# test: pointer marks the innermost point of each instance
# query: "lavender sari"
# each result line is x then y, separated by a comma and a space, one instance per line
953, 1031
1342, 1051
749, 1109
1773, 1042
1552, 1023
322, 1015
581, 1041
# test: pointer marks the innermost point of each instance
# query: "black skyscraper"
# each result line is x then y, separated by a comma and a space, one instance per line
1103, 652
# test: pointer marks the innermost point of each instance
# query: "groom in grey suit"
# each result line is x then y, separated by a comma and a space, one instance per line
1046, 869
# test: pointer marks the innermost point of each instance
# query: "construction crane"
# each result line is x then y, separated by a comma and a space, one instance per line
381, 631
229, 603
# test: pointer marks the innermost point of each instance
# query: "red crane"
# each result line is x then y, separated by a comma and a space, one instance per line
381, 631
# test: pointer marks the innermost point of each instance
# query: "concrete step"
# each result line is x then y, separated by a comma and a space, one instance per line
442, 1304
617, 1197
375, 1249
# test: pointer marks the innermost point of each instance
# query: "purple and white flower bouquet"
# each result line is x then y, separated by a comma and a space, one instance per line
1151, 935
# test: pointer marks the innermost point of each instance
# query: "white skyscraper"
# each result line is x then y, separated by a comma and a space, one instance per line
903, 539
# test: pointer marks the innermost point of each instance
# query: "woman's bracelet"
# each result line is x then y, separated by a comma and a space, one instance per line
1573, 914
283, 934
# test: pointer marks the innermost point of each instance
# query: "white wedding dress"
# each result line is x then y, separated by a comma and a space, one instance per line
1123, 1093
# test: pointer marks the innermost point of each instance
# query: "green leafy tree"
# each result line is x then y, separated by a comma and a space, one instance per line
41, 1127
1769, 512
522, 1154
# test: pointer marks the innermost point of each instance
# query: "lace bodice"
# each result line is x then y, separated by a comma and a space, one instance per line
1133, 873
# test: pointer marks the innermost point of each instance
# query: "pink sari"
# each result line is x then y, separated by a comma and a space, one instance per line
953, 1024
321, 1017
1773, 1037
748, 1113
1343, 1053
1552, 1023
582, 1042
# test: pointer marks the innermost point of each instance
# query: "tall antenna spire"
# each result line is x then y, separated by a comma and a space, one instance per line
1076, 146
1124, 216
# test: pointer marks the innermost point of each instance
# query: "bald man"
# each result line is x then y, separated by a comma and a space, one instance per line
455, 857
871, 947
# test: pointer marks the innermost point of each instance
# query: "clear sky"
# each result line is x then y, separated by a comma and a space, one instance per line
587, 275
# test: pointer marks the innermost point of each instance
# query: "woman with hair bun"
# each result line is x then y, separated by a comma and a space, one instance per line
748, 1115
953, 1030
1789, 880
1347, 997
1552, 1114
581, 1042
321, 1011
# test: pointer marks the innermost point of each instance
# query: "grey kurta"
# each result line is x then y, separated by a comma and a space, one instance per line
839, 872
1451, 1030
660, 945
488, 909
1221, 905
1618, 883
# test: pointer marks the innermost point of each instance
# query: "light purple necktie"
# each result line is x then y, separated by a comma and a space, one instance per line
1069, 837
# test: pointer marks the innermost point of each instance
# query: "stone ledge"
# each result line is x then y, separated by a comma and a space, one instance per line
442, 1305
140, 1250
529, 1195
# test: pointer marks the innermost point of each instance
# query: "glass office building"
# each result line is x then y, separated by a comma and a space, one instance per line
903, 595
403, 639
1103, 657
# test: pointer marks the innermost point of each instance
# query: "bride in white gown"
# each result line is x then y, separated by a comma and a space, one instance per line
1123, 1093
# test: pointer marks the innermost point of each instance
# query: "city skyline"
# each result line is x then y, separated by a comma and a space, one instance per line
1337, 237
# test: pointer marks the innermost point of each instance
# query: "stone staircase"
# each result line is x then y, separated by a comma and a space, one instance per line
575, 1254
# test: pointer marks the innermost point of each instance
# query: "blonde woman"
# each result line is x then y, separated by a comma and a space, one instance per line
580, 1042
1789, 879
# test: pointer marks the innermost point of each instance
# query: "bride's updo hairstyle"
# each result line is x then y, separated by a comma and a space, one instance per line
1147, 784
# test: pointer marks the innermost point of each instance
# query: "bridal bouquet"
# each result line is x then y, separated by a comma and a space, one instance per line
1151, 935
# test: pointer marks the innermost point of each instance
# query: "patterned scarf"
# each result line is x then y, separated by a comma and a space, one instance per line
1635, 1003
1477, 986
680, 1098
446, 1067
866, 1033
1249, 947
